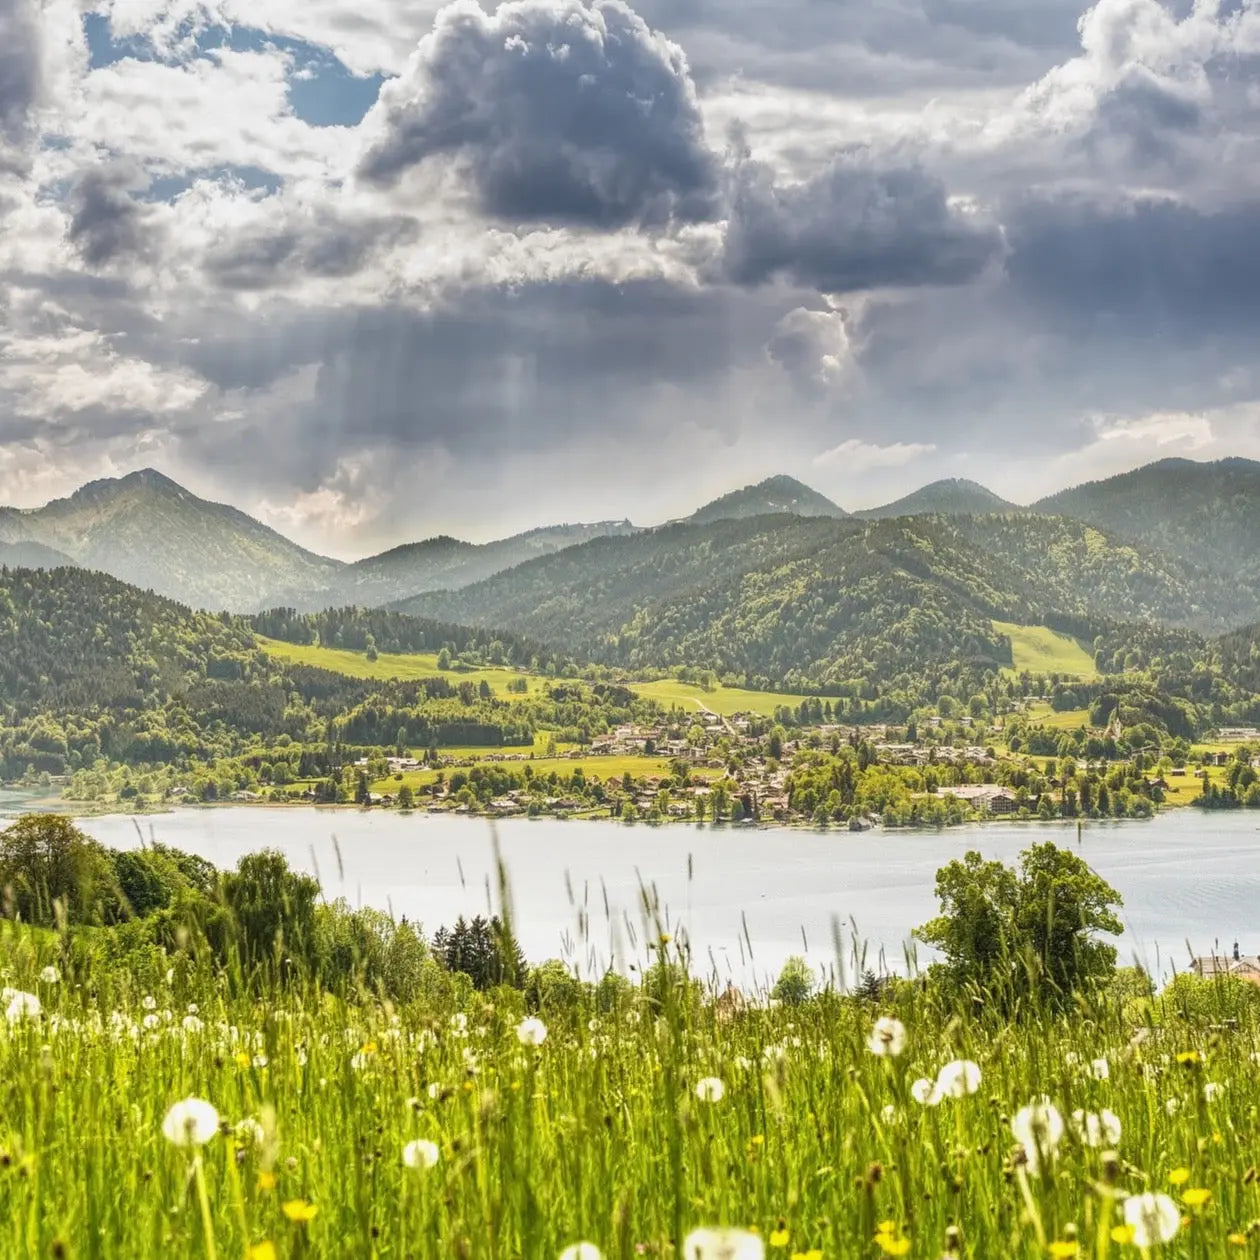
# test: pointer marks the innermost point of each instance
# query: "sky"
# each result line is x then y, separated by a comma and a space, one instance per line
378, 269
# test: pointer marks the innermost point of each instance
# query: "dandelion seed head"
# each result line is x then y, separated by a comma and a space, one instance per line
531, 1032
192, 1122
421, 1154
710, 1090
887, 1038
1154, 1219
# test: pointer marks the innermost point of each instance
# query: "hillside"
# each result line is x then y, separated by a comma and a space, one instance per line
773, 496
862, 606
1204, 513
952, 497
147, 530
32, 555
437, 564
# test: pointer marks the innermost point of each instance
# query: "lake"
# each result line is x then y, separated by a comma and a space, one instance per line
745, 898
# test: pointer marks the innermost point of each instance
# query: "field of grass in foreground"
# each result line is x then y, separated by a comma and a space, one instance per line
1040, 650
404, 668
447, 1128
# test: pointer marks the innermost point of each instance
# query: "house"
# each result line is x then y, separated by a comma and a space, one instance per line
989, 798
1245, 967
1239, 734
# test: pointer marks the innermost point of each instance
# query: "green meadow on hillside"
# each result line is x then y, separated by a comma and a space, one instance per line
1040, 650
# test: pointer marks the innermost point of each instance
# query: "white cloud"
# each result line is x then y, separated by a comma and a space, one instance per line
853, 456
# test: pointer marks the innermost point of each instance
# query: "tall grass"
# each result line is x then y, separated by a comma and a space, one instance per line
598, 1132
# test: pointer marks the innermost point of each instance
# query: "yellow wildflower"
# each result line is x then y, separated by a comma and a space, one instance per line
887, 1241
778, 1237
1122, 1233
266, 1180
814, 1253
1064, 1250
1189, 1056
265, 1250
242, 1059
1235, 1239
1179, 1176
1196, 1197
299, 1211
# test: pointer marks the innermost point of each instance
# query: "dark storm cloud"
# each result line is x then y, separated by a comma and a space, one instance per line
318, 242
562, 111
20, 78
107, 224
1148, 268
854, 226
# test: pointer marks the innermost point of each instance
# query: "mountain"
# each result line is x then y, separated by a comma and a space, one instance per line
32, 555
147, 530
440, 563
955, 496
771, 497
1204, 513
862, 606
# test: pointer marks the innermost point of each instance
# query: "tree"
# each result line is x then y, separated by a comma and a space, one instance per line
484, 950
406, 797
1026, 932
370, 646
444, 659
273, 908
795, 982
48, 865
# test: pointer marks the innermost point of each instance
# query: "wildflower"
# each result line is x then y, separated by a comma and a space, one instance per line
1065, 1249
1101, 1069
814, 1253
1153, 1218
242, 1059
888, 1037
957, 1079
581, 1251
723, 1244
1097, 1129
266, 1180
149, 1003
459, 1023
50, 975
299, 1211
1188, 1057
192, 1122
888, 1242
923, 1091
1196, 1197
531, 1032
1212, 1090
421, 1153
779, 1237
1179, 1176
192, 1024
889, 1113
22, 1006
1038, 1128
710, 1090
1172, 1106
261, 1251
249, 1132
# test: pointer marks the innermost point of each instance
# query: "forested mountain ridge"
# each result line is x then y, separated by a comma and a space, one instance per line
951, 497
772, 497
146, 530
858, 606
441, 563
1205, 513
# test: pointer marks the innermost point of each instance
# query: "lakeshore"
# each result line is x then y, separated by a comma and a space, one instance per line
744, 898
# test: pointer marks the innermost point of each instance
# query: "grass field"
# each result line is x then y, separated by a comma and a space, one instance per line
1042, 714
723, 700
401, 668
469, 1127
1040, 650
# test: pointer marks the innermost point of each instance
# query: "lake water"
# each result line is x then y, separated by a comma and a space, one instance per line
745, 898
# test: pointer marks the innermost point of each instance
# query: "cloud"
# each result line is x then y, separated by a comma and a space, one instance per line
856, 226
558, 110
107, 223
20, 66
853, 456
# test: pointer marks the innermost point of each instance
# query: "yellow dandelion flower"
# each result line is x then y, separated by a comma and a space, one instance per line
778, 1238
888, 1242
1190, 1056
266, 1181
1122, 1233
1236, 1240
1179, 1176
265, 1250
1196, 1197
299, 1211
369, 1047
1064, 1250
814, 1253
242, 1059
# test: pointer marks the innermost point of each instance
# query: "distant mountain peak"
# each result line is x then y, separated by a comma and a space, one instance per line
774, 495
951, 496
